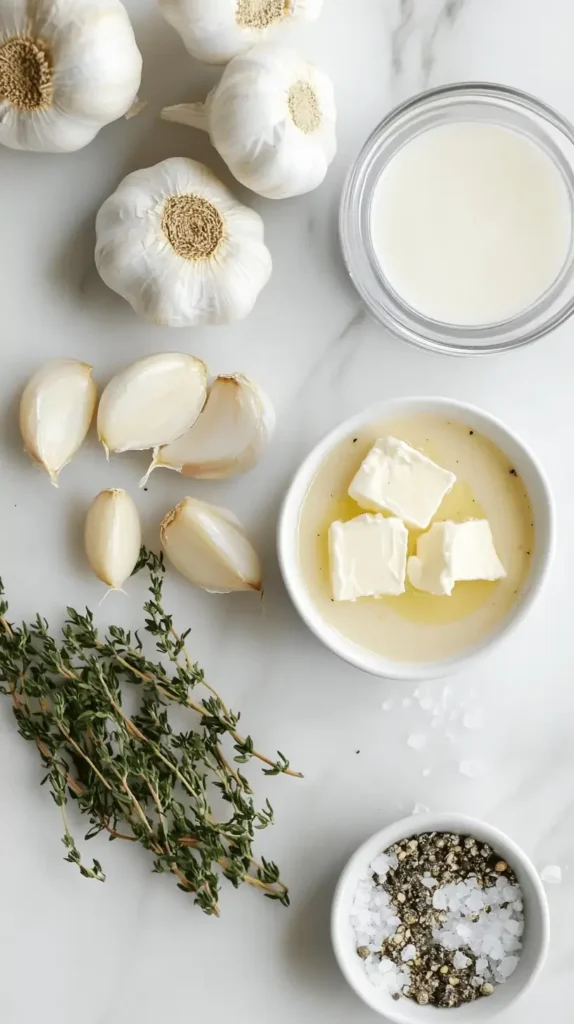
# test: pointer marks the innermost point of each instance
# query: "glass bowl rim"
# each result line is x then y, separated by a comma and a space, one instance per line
350, 210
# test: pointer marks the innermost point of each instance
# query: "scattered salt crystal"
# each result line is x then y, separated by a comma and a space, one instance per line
473, 719
429, 882
386, 965
508, 965
407, 702
470, 768
459, 960
387, 705
420, 809
394, 921
417, 741
481, 965
551, 874
408, 953
425, 772
426, 703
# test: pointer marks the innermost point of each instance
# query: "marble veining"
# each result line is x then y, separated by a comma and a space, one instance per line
135, 949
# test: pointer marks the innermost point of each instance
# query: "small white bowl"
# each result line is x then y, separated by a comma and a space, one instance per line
542, 505
535, 939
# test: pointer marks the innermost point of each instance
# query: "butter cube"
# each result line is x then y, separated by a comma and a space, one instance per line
452, 552
397, 478
368, 557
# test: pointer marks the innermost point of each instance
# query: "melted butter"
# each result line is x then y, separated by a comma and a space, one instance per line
416, 625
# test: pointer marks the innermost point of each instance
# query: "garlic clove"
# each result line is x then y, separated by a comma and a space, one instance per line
229, 436
56, 410
112, 537
208, 546
152, 402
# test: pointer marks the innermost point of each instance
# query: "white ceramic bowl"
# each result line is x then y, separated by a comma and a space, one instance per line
536, 923
526, 466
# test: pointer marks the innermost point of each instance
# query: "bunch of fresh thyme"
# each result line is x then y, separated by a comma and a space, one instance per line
133, 774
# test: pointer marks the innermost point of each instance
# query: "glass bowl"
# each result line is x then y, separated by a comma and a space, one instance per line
469, 102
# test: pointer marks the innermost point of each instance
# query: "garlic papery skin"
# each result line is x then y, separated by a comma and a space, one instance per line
152, 402
272, 118
228, 438
178, 246
207, 544
56, 409
66, 70
217, 30
112, 537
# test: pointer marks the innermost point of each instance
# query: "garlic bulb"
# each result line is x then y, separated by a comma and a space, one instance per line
272, 119
229, 437
152, 402
66, 70
56, 410
112, 537
217, 30
207, 544
176, 244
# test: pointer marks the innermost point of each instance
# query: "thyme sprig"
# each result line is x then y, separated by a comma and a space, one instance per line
134, 774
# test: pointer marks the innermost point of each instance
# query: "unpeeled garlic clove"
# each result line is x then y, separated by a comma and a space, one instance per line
229, 436
112, 537
152, 402
56, 410
208, 546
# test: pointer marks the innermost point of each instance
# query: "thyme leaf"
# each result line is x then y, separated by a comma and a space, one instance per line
132, 773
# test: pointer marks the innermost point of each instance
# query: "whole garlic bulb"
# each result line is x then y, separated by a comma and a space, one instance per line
178, 246
112, 537
217, 30
66, 70
272, 119
228, 438
56, 410
208, 546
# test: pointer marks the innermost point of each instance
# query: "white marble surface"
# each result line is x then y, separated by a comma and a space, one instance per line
135, 949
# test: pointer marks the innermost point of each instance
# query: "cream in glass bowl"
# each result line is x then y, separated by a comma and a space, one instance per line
457, 219
423, 625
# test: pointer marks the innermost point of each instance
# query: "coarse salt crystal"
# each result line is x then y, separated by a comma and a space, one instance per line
407, 702
459, 960
386, 965
408, 953
380, 865
508, 965
514, 927
387, 705
481, 965
439, 900
429, 882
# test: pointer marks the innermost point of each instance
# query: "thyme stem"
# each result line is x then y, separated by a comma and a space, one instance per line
137, 768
